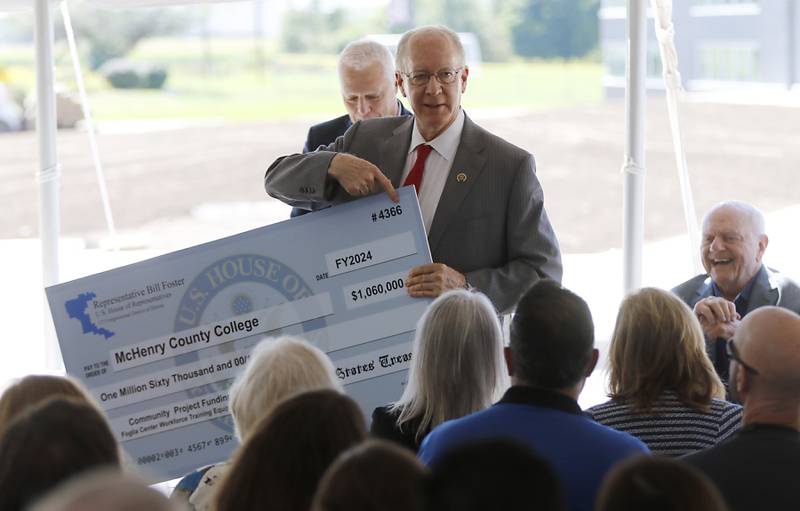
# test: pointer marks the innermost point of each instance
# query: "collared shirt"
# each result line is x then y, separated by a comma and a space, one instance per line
535, 396
437, 166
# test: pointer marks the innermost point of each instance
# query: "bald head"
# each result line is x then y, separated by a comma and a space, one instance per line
769, 340
734, 241
746, 215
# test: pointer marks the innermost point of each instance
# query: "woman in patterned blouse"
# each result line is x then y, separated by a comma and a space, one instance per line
663, 387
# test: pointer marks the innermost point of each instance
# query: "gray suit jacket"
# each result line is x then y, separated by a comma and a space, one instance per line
492, 227
770, 288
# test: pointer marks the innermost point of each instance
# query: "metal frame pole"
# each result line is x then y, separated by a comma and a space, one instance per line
634, 169
49, 175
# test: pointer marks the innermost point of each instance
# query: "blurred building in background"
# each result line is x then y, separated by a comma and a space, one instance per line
721, 44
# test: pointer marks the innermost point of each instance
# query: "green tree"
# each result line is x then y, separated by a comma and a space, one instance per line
113, 33
489, 20
556, 28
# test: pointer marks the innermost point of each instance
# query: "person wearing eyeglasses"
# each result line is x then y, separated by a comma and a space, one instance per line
759, 467
482, 205
736, 281
369, 90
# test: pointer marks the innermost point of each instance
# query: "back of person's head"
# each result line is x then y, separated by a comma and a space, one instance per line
768, 342
494, 474
32, 390
277, 369
49, 443
658, 346
105, 491
373, 476
552, 337
657, 484
282, 460
457, 366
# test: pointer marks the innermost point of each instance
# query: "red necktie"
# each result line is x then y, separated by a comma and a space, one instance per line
415, 176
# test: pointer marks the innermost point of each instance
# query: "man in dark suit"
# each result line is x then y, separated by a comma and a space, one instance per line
369, 91
482, 205
759, 467
736, 282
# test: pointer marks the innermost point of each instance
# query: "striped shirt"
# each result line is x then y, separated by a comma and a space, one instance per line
671, 428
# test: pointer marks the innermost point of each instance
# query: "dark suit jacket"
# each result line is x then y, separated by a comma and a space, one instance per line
758, 468
490, 223
769, 288
325, 133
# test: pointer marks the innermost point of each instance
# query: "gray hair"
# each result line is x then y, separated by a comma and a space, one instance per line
458, 366
754, 215
403, 58
278, 369
361, 54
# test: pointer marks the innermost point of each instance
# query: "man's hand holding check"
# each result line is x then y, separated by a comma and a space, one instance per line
359, 178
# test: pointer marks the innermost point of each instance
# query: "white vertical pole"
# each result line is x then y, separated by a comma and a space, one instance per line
48, 176
634, 169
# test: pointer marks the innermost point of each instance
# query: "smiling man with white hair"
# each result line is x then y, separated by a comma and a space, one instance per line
737, 281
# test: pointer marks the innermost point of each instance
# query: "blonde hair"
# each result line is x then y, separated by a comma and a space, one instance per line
278, 369
457, 366
34, 389
658, 346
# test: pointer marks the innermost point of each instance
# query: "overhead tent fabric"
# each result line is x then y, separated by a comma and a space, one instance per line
48, 175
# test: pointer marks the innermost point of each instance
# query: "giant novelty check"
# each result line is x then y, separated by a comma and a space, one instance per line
158, 342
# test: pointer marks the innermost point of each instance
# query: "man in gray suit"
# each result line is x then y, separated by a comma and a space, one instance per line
736, 282
481, 202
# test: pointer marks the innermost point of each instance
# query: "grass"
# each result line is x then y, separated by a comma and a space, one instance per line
219, 80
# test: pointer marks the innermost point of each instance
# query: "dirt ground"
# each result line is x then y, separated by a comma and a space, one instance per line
160, 172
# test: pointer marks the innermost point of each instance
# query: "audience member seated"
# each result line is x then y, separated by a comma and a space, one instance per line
277, 369
551, 355
34, 389
457, 368
105, 491
48, 444
283, 459
759, 468
655, 483
494, 474
736, 282
663, 387
374, 476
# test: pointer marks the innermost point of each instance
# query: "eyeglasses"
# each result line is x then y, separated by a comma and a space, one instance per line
444, 76
733, 354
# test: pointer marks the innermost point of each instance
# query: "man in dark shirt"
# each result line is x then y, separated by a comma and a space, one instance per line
551, 355
736, 282
369, 90
759, 468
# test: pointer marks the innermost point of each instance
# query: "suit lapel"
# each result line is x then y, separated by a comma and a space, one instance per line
704, 291
394, 150
764, 292
469, 162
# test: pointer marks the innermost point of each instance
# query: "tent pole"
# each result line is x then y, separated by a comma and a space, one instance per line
48, 177
633, 168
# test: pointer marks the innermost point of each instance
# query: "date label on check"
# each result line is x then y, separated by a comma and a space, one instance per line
370, 254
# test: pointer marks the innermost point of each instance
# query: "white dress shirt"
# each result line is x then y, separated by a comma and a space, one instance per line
437, 166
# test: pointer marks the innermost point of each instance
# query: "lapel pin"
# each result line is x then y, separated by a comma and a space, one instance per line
461, 177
